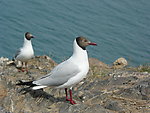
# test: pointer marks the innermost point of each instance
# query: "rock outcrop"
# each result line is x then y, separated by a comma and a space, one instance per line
120, 63
105, 90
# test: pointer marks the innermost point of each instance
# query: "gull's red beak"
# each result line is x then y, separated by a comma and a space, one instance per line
91, 43
32, 36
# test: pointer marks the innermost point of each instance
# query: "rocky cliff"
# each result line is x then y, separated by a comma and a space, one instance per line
105, 90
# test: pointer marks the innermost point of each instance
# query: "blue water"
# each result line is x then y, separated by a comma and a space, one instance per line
121, 28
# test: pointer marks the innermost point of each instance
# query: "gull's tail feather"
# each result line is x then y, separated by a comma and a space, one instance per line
26, 83
31, 85
13, 59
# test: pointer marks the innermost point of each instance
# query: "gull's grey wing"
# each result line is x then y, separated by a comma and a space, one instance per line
17, 53
59, 75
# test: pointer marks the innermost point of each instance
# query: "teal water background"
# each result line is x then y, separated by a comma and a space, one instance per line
121, 28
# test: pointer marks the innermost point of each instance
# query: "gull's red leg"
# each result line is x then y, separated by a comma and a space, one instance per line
71, 100
66, 95
19, 70
22, 69
26, 66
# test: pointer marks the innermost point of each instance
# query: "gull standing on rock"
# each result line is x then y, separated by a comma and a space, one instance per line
26, 52
68, 73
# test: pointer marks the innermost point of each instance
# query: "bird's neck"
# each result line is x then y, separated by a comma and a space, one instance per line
79, 54
27, 43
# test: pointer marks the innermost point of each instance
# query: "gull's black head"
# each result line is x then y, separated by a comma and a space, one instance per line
28, 36
83, 42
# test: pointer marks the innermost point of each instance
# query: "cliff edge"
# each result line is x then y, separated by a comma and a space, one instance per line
105, 90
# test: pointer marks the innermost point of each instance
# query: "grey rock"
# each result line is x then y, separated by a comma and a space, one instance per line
105, 90
112, 105
120, 63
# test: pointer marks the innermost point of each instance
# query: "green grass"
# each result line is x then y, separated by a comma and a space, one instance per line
144, 68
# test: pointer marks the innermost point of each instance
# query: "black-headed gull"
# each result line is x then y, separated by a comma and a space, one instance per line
26, 52
68, 73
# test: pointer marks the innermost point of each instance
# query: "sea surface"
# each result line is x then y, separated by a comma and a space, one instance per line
121, 28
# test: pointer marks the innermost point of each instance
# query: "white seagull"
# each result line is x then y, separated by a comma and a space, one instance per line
26, 52
68, 73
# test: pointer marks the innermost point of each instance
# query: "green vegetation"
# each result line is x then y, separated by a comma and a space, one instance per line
144, 68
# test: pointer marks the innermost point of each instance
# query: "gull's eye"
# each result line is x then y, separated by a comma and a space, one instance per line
85, 40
